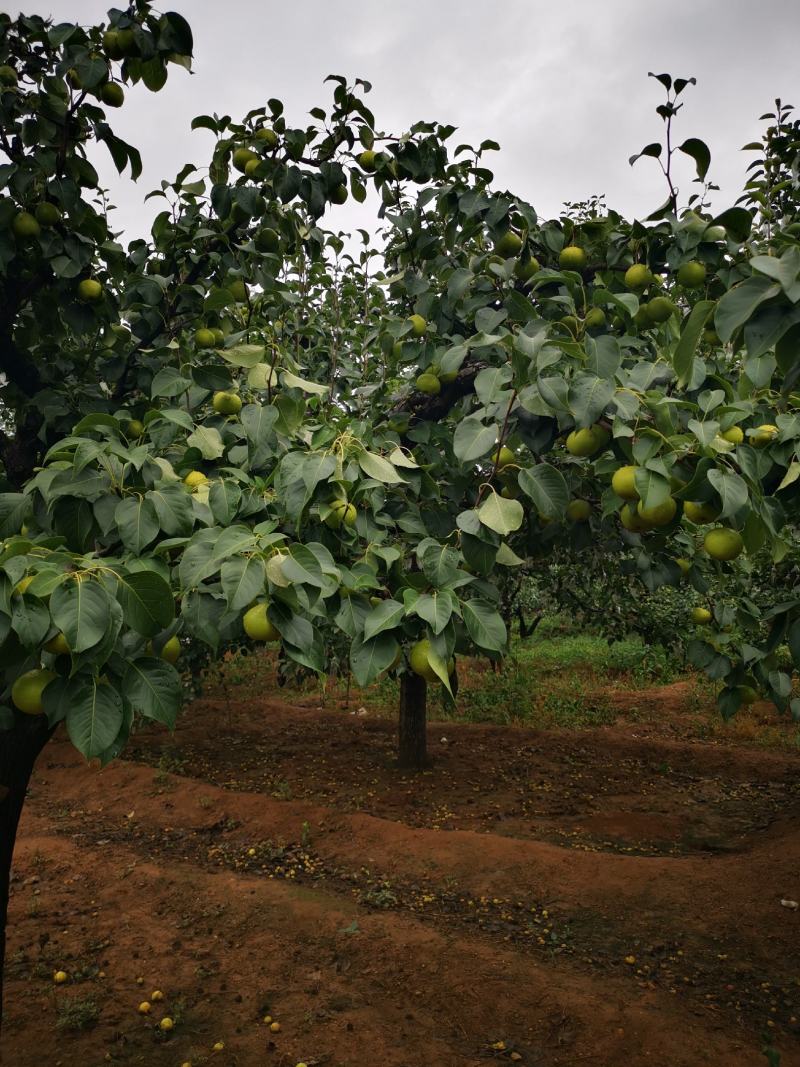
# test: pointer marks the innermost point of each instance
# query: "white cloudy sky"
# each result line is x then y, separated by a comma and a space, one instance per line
562, 86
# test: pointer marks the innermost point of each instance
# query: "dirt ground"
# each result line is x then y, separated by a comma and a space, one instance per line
609, 897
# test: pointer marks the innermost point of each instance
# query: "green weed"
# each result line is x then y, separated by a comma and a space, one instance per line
77, 1013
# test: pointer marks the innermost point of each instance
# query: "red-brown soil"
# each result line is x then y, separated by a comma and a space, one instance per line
610, 897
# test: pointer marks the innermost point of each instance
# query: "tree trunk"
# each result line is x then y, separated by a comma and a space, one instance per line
22, 450
19, 749
413, 740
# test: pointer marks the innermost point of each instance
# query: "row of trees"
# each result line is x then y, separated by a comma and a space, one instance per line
238, 430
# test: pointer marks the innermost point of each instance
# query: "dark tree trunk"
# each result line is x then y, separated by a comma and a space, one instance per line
20, 452
19, 749
413, 739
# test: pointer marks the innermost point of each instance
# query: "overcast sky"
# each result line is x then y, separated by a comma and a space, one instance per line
562, 87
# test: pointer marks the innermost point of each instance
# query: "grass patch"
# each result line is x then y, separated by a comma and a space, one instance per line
592, 654
556, 679
77, 1013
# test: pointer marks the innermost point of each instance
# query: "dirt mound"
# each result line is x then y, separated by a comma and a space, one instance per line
542, 898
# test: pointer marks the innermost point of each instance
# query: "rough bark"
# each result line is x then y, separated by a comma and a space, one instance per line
412, 733
19, 749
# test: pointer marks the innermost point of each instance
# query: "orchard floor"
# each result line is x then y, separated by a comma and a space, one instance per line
608, 897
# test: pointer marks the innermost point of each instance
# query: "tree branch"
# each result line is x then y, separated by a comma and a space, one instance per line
424, 408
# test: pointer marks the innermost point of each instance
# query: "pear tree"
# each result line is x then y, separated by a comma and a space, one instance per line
246, 429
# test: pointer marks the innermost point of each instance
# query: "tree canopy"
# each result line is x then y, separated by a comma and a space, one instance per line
242, 429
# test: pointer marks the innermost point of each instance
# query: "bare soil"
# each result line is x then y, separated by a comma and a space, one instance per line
608, 897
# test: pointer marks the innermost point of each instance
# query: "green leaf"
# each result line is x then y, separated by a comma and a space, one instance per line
294, 628
262, 376
519, 308
739, 303
258, 421
508, 558
56, 700
732, 491
435, 608
738, 221
208, 441
554, 391
96, 421
437, 662
774, 327
351, 615
452, 359
440, 565
45, 581
302, 566
705, 432
88, 485
317, 467
785, 271
291, 381
588, 398
484, 625
198, 561
379, 468
604, 356
173, 509
177, 416
780, 683
80, 609
175, 34
147, 601
370, 658
478, 554
472, 439
490, 384
137, 523
652, 150
401, 459
153, 688
205, 122
224, 498
243, 355
243, 580
652, 486
547, 489
91, 69
683, 357
791, 476
15, 508
500, 514
94, 715
384, 616
30, 620
201, 613
699, 152
169, 382
232, 542
154, 73
459, 282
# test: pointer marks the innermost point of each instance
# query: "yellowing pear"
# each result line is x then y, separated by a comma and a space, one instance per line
623, 482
